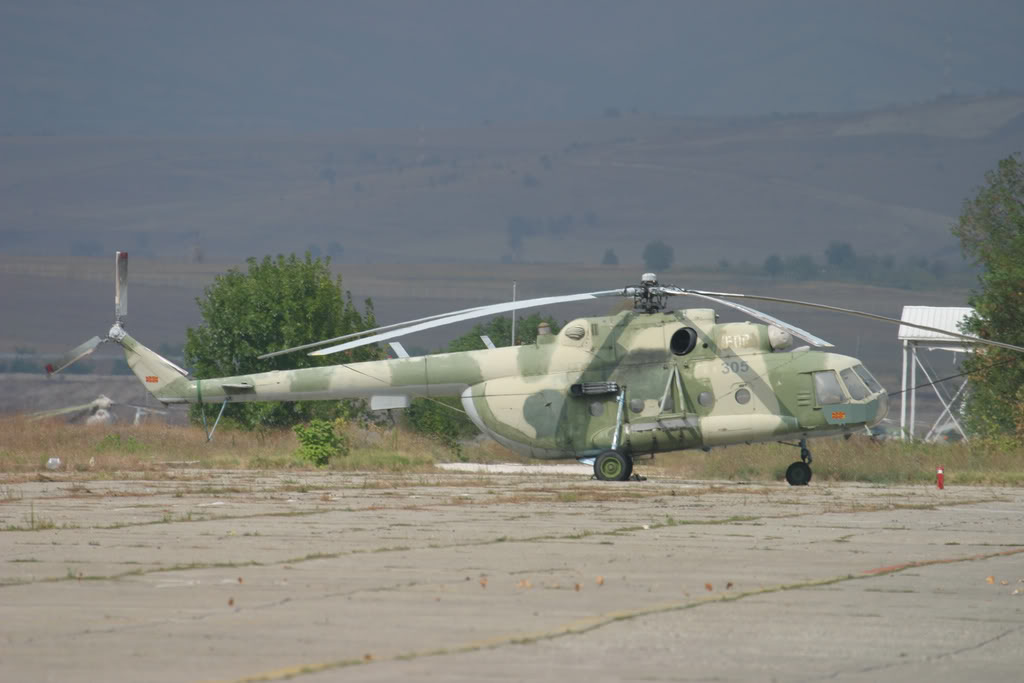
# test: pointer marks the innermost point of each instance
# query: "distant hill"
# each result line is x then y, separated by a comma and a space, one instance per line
889, 182
254, 67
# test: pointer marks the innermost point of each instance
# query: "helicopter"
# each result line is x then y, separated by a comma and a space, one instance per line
98, 411
606, 390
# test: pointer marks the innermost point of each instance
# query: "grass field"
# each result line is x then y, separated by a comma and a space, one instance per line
114, 452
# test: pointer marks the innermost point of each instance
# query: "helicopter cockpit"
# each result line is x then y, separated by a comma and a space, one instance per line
850, 395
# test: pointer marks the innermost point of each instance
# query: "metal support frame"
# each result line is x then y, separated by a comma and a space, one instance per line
912, 362
948, 409
209, 432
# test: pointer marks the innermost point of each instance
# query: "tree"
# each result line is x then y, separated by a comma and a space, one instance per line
658, 256
840, 255
609, 258
802, 267
773, 265
991, 233
278, 303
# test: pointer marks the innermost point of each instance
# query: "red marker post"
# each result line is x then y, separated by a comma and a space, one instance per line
939, 478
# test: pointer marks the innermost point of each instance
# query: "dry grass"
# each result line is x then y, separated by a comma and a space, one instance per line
858, 459
103, 451
25, 446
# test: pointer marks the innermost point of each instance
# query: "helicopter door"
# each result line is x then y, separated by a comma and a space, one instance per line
593, 414
670, 428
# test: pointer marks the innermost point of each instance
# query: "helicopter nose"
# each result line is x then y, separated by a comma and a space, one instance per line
880, 406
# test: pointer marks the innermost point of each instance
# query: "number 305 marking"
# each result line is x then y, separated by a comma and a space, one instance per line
737, 366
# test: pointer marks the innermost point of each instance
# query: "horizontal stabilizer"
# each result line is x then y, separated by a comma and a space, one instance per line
388, 402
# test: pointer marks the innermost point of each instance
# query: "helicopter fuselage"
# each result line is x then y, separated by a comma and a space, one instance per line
638, 383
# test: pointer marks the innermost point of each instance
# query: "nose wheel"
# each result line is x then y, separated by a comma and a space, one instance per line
799, 473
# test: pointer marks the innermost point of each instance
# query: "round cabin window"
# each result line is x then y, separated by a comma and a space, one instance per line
597, 409
706, 399
683, 341
743, 396
637, 405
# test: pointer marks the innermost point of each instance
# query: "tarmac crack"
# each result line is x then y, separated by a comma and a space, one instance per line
929, 658
588, 624
70, 576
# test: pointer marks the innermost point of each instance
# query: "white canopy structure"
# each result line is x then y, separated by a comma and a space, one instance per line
944, 318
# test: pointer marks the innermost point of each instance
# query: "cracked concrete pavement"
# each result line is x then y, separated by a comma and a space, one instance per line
539, 575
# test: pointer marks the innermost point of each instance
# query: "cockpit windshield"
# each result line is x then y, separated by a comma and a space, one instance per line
873, 386
854, 384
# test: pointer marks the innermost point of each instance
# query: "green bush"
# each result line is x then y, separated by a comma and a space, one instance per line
321, 441
430, 417
114, 442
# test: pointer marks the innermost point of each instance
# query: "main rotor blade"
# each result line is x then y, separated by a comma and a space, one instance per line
861, 314
753, 312
467, 314
363, 333
43, 414
75, 354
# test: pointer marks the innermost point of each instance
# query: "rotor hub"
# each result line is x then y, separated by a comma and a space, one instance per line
649, 297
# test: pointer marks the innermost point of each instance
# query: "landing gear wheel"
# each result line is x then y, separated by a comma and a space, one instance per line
798, 474
613, 466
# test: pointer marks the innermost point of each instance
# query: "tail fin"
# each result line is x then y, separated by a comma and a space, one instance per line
162, 378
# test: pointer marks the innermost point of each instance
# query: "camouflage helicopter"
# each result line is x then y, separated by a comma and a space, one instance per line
605, 390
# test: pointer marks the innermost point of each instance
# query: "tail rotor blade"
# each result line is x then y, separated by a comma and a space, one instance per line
75, 354
121, 291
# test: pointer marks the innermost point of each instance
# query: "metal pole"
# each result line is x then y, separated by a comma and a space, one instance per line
913, 389
513, 313
903, 396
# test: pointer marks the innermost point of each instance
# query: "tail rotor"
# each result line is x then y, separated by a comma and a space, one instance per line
116, 332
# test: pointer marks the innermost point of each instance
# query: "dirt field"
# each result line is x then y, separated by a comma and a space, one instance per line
191, 575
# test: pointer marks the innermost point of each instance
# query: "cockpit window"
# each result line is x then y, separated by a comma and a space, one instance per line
872, 383
854, 384
826, 388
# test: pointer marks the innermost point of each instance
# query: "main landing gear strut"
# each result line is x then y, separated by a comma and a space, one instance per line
799, 473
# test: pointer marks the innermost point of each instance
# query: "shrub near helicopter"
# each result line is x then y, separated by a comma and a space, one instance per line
606, 390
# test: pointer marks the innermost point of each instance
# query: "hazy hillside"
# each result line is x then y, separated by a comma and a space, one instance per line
119, 67
888, 182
